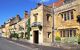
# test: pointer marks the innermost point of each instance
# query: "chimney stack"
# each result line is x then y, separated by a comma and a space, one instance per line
39, 4
25, 14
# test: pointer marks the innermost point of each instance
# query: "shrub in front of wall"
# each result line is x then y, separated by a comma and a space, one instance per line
79, 39
15, 35
40, 27
58, 39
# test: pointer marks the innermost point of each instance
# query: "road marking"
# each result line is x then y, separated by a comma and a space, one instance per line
21, 45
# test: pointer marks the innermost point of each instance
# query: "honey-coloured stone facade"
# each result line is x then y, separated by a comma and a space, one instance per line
41, 24
65, 21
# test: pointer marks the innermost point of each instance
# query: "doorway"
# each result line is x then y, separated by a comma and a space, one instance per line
36, 37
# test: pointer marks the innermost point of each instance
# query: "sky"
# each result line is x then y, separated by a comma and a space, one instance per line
10, 8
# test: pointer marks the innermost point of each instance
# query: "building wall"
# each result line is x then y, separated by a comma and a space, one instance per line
60, 24
7, 30
0, 32
39, 10
3, 32
45, 35
47, 24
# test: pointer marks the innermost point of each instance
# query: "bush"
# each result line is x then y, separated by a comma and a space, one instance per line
40, 27
15, 35
58, 38
79, 39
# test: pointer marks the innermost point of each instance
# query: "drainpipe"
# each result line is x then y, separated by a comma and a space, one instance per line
52, 10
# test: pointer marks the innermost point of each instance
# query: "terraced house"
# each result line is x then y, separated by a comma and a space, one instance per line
17, 26
22, 26
41, 24
0, 32
9, 26
47, 24
66, 20
3, 30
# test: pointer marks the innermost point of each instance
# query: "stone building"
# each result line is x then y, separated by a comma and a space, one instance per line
22, 26
41, 24
0, 32
16, 25
3, 30
66, 15
10, 25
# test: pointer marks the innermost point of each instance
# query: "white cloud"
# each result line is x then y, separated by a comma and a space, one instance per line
44, 1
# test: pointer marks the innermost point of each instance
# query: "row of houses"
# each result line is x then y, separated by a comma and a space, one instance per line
16, 25
59, 22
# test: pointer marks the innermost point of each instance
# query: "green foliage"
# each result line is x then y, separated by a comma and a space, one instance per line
79, 39
78, 20
28, 28
15, 35
21, 35
40, 27
58, 38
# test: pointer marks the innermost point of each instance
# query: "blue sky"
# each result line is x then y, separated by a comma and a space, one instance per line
9, 8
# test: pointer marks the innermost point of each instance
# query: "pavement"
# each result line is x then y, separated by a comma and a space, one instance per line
21, 45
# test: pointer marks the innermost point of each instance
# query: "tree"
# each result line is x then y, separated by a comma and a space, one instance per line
28, 28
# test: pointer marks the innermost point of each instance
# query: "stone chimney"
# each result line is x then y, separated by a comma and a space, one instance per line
18, 18
25, 14
39, 4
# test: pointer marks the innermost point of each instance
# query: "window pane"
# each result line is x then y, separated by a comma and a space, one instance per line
71, 14
49, 34
64, 16
63, 33
70, 33
67, 33
35, 16
74, 31
48, 16
68, 15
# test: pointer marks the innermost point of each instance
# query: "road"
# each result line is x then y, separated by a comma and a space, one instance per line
7, 45
10, 45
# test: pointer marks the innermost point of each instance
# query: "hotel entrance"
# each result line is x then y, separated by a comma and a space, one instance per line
36, 37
